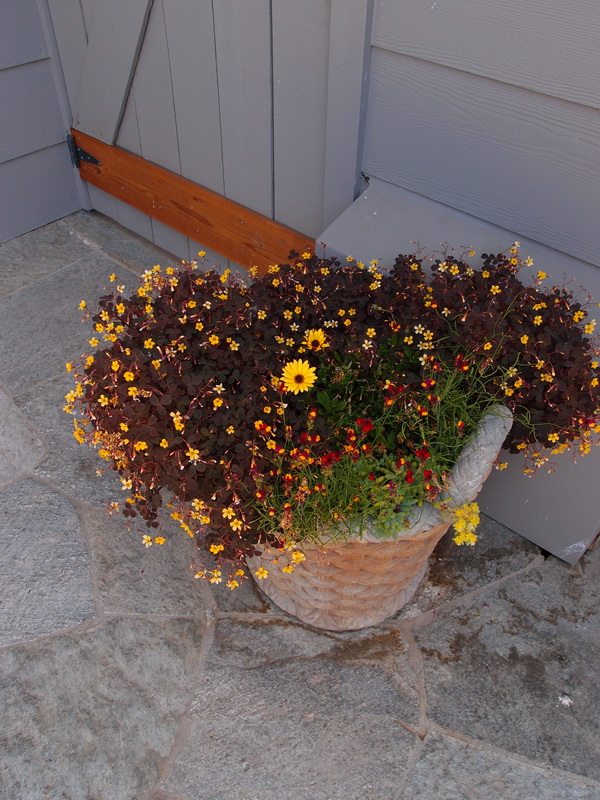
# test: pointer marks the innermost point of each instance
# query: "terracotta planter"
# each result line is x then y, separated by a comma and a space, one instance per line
355, 584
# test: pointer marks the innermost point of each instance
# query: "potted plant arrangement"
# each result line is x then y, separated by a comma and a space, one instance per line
322, 425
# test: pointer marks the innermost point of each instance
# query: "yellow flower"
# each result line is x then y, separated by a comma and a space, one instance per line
163, 443
495, 289
230, 429
94, 342
537, 320
589, 328
261, 573
193, 454
289, 568
524, 339
213, 339
120, 308
228, 513
297, 557
216, 548
541, 275
103, 400
82, 305
112, 278
236, 524
140, 446
115, 366
315, 339
217, 402
298, 376
234, 346
371, 332
149, 344
485, 273
261, 314
487, 346
159, 539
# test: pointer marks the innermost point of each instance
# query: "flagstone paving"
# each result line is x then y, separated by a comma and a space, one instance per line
123, 678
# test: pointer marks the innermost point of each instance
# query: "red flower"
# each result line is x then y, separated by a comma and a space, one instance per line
422, 454
329, 458
461, 364
365, 424
409, 478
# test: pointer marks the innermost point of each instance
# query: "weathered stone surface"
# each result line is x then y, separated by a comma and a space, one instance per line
304, 728
40, 325
132, 578
69, 465
20, 446
454, 571
94, 715
121, 244
44, 571
518, 666
243, 599
28, 258
452, 770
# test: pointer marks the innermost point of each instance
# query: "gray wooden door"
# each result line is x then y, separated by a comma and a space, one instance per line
255, 100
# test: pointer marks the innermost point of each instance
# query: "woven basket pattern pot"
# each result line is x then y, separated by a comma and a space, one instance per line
358, 583
350, 585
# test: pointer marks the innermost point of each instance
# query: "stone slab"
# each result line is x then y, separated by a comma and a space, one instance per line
40, 325
132, 578
68, 464
45, 581
450, 769
34, 255
517, 666
455, 571
21, 449
123, 245
304, 728
95, 715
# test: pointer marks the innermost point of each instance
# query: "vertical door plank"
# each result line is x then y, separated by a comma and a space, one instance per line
71, 38
348, 75
243, 44
115, 39
191, 45
300, 65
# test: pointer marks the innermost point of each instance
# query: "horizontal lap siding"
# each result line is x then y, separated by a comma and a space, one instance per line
21, 33
36, 189
548, 46
37, 180
513, 157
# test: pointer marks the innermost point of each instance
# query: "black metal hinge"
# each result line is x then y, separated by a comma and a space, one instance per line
78, 154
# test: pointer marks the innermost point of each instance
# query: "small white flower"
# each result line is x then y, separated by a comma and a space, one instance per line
565, 700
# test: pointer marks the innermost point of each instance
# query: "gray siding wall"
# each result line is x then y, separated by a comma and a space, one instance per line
37, 179
493, 109
233, 94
